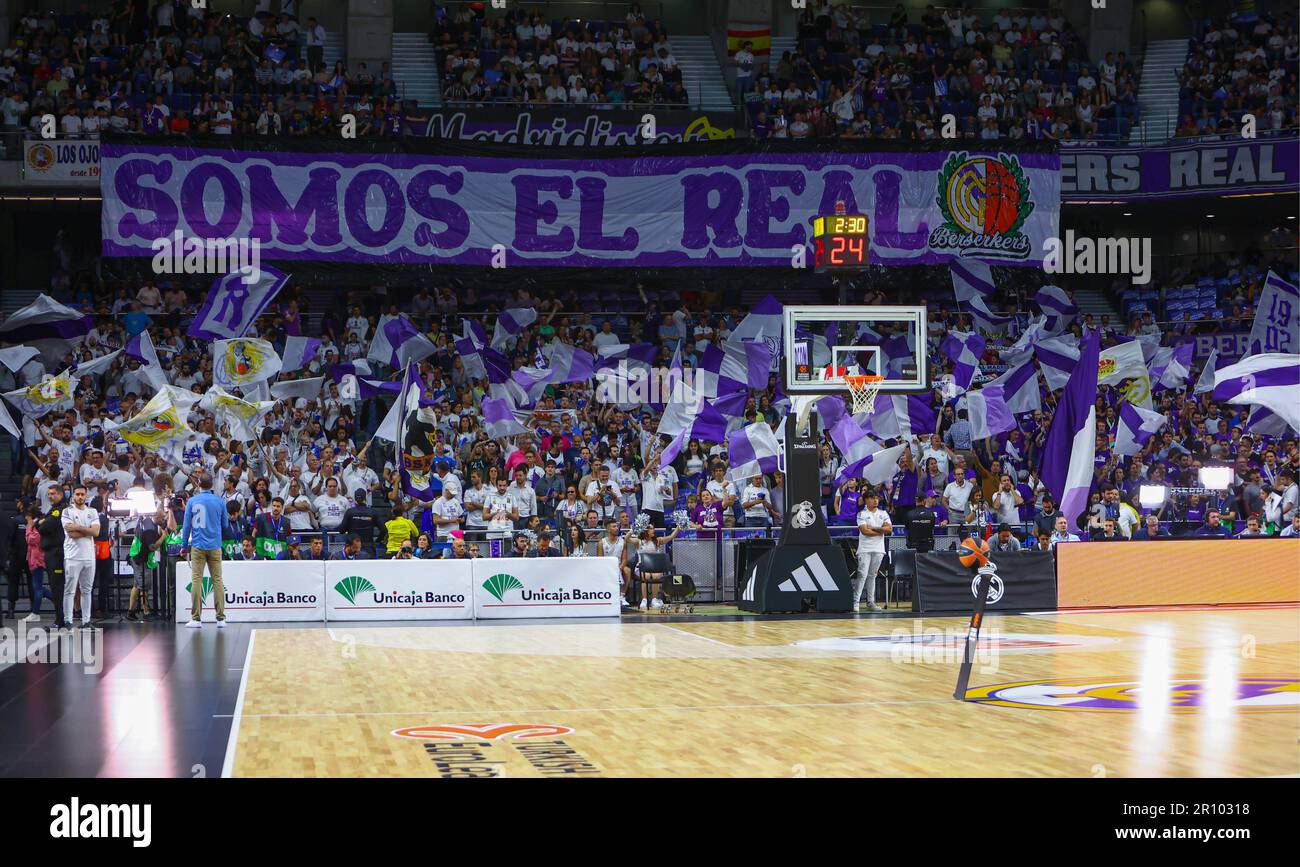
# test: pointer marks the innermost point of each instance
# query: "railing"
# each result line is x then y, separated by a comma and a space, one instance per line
563, 8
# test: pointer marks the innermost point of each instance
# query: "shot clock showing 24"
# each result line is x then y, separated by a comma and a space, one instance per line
840, 241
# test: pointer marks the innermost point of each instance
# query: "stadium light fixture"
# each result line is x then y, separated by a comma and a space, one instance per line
1151, 496
142, 502
1216, 478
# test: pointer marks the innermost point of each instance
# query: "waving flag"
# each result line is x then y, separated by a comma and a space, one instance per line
7, 422
499, 419
416, 435
972, 282
900, 416
51, 394
1071, 446
1271, 380
753, 450
232, 305
1020, 385
1136, 426
1264, 422
875, 468
299, 352
568, 363
510, 324
243, 362
159, 426
1058, 310
16, 356
307, 389
142, 349
243, 417
1123, 362
397, 342
1277, 318
1172, 365
853, 442
763, 324
988, 412
46, 319
1057, 357
1206, 381
964, 351
96, 365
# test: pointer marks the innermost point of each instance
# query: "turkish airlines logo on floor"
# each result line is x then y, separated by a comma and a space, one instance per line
489, 731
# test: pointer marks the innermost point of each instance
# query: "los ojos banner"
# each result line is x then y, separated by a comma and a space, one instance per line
420, 202
257, 592
546, 587
399, 590
69, 162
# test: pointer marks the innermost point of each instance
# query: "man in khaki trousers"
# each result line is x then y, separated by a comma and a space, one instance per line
201, 535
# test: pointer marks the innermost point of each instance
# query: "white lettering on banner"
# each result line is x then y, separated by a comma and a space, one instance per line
412, 208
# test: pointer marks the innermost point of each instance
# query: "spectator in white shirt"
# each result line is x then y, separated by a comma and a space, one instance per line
446, 513
957, 494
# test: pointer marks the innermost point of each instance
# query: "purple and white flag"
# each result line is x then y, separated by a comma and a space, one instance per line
95, 365
1068, 454
499, 419
510, 323
232, 305
16, 356
398, 343
1058, 310
1277, 318
1265, 422
470, 347
988, 412
972, 282
1172, 365
1057, 357
46, 319
141, 348
763, 324
1020, 385
1206, 381
964, 351
753, 450
298, 353
831, 408
875, 468
307, 389
1271, 380
902, 416
1136, 426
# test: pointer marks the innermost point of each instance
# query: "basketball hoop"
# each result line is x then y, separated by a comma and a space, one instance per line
863, 390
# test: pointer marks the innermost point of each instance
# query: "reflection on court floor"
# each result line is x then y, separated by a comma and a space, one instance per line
1143, 693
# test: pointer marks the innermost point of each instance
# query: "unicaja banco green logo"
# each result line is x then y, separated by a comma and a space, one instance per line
350, 586
207, 588
498, 584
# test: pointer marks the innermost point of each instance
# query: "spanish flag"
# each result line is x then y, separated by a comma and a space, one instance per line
739, 34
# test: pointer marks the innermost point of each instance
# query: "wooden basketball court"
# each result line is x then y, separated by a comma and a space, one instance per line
1162, 692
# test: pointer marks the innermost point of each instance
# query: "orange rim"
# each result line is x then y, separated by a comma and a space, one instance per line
856, 383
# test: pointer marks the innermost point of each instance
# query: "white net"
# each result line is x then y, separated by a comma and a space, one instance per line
863, 391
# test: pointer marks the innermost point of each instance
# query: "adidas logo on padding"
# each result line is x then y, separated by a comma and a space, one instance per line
748, 595
801, 581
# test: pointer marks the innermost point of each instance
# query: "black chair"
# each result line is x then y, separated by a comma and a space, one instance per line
676, 589
903, 563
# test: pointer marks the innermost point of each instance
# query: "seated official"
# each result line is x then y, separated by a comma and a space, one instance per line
1213, 526
1151, 531
1109, 532
1253, 529
459, 550
315, 549
294, 551
544, 547
1292, 529
351, 550
1005, 540
247, 551
520, 546
1062, 532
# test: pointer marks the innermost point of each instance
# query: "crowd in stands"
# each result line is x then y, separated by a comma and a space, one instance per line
1000, 73
520, 56
1240, 65
175, 69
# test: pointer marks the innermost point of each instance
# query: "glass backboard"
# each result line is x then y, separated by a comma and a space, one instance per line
825, 343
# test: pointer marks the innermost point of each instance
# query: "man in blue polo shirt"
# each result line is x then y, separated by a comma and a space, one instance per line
206, 521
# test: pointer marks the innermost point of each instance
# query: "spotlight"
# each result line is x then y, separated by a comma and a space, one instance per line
1216, 478
1151, 496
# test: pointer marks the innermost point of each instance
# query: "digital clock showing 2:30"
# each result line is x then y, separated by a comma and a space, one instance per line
840, 241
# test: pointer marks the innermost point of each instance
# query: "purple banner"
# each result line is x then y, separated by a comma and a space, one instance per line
1230, 165
750, 208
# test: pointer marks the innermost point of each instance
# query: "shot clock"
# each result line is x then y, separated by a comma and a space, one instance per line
840, 241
